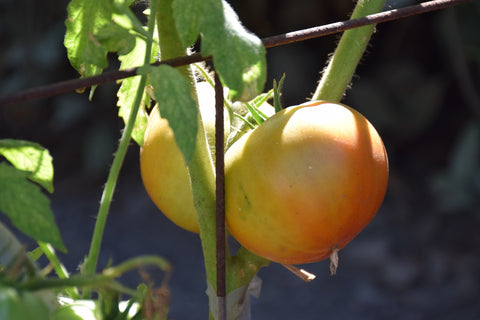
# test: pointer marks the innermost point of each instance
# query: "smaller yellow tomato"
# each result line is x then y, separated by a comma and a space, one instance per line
165, 174
163, 168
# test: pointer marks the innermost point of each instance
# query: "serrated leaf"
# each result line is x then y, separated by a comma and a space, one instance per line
30, 157
27, 207
93, 31
115, 38
84, 51
188, 16
172, 93
128, 90
238, 55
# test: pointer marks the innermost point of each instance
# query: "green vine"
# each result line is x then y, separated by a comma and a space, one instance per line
339, 71
90, 264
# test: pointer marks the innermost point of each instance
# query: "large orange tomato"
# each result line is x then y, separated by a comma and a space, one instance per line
305, 182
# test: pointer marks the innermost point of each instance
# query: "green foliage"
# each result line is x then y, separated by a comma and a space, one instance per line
31, 157
238, 55
277, 93
341, 67
21, 199
129, 87
189, 16
175, 103
96, 27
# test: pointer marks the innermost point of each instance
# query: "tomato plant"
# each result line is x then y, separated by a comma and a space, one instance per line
319, 178
300, 184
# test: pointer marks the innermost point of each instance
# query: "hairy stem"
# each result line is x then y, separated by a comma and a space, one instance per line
339, 71
200, 167
92, 258
59, 268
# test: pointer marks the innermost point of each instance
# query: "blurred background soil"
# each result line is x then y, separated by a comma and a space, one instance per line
418, 84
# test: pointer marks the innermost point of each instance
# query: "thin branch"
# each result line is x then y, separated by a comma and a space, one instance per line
290, 37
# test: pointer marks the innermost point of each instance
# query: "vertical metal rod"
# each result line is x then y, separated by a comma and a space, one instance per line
220, 198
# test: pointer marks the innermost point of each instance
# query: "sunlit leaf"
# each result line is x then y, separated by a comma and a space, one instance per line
188, 17
128, 90
238, 55
30, 157
115, 38
94, 28
84, 19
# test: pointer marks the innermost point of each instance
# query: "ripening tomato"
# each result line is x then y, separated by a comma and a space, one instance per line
163, 168
305, 182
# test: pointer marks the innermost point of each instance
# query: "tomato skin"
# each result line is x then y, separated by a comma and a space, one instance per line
305, 182
165, 174
162, 166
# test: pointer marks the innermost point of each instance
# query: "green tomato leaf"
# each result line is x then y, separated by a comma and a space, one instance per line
94, 28
238, 55
85, 18
27, 207
128, 90
115, 38
188, 16
30, 157
172, 93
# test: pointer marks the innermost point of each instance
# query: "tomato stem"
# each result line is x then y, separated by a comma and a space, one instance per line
339, 71
60, 269
200, 166
301, 273
94, 252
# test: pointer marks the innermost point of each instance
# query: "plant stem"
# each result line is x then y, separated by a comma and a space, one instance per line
60, 269
92, 258
338, 74
11, 250
91, 281
202, 176
137, 262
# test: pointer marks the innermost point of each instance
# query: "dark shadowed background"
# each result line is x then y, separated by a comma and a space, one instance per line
418, 84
